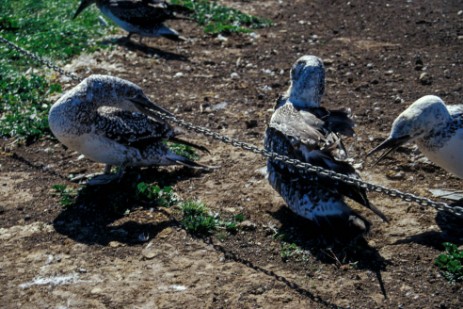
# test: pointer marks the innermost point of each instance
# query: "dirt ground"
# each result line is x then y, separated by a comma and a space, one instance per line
379, 59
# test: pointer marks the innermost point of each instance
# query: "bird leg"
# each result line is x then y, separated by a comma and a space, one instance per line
105, 179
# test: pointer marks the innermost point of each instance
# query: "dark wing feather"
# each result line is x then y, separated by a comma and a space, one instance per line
146, 13
338, 121
131, 128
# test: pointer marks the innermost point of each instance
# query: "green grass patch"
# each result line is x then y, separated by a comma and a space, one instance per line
23, 107
184, 151
153, 194
197, 218
216, 18
451, 262
46, 29
67, 195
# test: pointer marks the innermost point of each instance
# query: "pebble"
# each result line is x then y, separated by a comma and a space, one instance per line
425, 79
247, 225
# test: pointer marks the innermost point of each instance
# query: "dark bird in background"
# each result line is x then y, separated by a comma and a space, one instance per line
110, 120
301, 129
142, 17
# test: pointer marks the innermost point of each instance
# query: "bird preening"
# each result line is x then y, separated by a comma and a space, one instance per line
110, 120
301, 129
436, 128
143, 17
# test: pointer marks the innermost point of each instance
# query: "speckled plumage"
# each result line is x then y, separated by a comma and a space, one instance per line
436, 128
142, 17
106, 119
305, 131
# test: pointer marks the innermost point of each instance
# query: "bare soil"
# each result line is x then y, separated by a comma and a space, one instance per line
92, 255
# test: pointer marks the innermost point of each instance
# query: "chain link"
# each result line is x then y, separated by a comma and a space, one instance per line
41, 60
307, 167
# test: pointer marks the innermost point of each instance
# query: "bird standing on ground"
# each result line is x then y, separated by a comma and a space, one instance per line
437, 130
107, 119
142, 17
301, 129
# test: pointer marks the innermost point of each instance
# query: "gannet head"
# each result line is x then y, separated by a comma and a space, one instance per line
418, 120
83, 5
307, 82
117, 92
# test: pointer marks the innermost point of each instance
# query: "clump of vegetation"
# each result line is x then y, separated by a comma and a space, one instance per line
197, 218
288, 250
153, 194
183, 150
66, 194
232, 225
46, 29
220, 19
23, 108
451, 262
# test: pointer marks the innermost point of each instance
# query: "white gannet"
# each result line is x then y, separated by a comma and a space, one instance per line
107, 119
301, 129
436, 128
142, 17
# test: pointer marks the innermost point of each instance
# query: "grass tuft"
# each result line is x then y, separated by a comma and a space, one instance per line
196, 218
451, 262
153, 194
183, 150
216, 18
67, 195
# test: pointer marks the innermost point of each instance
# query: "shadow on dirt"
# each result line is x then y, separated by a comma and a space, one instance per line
229, 255
334, 249
90, 219
451, 231
140, 47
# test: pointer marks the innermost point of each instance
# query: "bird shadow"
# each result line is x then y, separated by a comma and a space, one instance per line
140, 47
97, 214
450, 231
338, 248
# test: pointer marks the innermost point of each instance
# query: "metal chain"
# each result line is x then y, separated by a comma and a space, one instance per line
307, 167
41, 60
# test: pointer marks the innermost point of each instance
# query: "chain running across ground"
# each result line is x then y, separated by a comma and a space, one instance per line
306, 167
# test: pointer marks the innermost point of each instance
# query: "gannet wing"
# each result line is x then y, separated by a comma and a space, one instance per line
131, 128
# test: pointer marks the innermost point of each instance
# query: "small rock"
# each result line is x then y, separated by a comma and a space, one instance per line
96, 290
247, 225
219, 106
395, 176
234, 75
150, 251
114, 244
425, 79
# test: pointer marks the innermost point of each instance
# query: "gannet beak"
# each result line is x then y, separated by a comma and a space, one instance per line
146, 105
83, 5
390, 145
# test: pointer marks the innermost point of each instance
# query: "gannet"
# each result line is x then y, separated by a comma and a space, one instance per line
300, 128
436, 128
108, 120
142, 17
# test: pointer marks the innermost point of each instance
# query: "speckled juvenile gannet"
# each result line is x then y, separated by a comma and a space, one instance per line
437, 130
142, 17
301, 129
106, 119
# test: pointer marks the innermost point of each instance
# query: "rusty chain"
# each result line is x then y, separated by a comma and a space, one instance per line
307, 167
